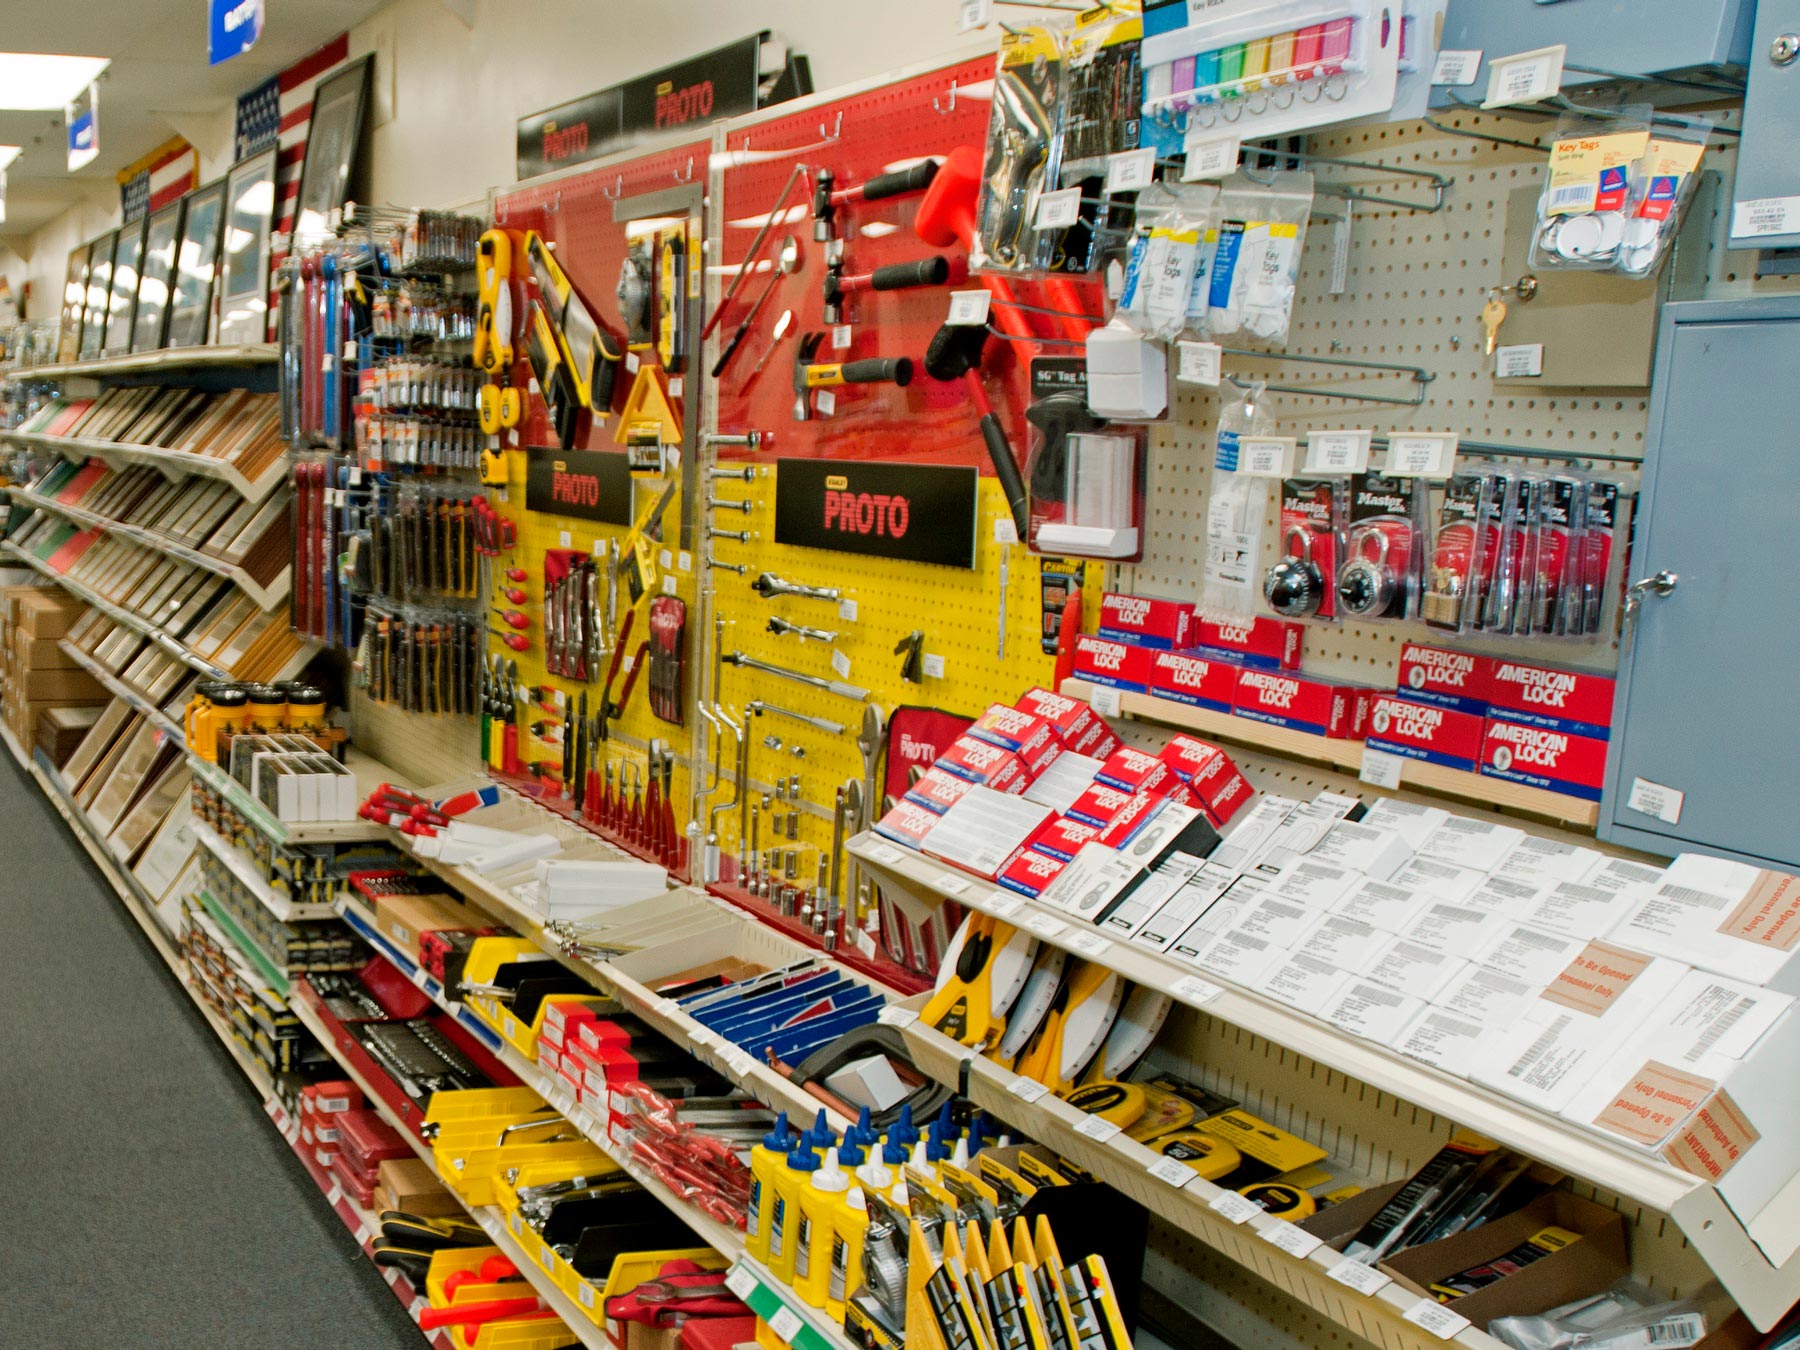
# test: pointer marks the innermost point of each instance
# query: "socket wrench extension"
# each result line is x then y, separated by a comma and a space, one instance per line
838, 687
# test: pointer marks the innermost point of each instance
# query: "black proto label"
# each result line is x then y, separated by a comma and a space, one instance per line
909, 512
586, 484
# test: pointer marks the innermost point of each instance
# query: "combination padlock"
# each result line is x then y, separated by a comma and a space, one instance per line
1295, 585
1366, 586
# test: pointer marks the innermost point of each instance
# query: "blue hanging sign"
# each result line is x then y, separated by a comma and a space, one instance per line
232, 28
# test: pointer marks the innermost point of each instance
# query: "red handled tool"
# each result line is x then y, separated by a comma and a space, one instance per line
935, 270
513, 640
828, 198
476, 1314
512, 618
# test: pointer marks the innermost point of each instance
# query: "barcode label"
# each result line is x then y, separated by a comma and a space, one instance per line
1574, 197
1539, 1048
1720, 1026
1687, 895
1675, 1332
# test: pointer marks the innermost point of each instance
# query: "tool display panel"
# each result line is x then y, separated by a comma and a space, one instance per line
604, 226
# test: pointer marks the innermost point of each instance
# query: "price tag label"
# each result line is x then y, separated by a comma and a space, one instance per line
1430, 1315
865, 943
1338, 451
892, 1016
565, 539
973, 14
841, 336
516, 1223
335, 1194
1130, 170
1105, 700
1027, 1089
546, 1257
632, 362
969, 309
1522, 361
951, 884
1193, 989
1005, 532
667, 1007
1456, 67
841, 664
1091, 944
684, 561
1059, 210
1266, 456
741, 1282
1524, 78
1365, 1280
1296, 1242
668, 583
847, 610
1380, 769
739, 1064
1008, 907
1045, 926
1234, 1208
786, 1324
887, 853
1654, 799
1209, 155
677, 386
1172, 1172
1199, 363
586, 1295
825, 400
1098, 1128
1422, 455
934, 667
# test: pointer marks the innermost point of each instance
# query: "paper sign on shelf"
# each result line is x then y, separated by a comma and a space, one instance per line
892, 1016
1422, 455
1209, 155
1456, 68
1521, 361
1098, 1128
1525, 77
1335, 452
1058, 210
1266, 456
1380, 769
1234, 1208
1130, 170
1027, 1089
786, 1324
1176, 1173
1654, 799
1104, 699
1296, 1242
1199, 363
969, 309
1430, 1315
1355, 1275
741, 1282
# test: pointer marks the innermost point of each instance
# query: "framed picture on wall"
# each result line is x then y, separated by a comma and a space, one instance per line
68, 336
93, 323
196, 264
333, 146
156, 272
244, 258
119, 309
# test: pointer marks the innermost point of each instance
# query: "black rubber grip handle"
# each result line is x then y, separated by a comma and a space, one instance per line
879, 370
1006, 469
901, 181
933, 271
731, 347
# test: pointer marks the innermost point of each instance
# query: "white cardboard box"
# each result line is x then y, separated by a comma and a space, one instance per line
1730, 918
1367, 849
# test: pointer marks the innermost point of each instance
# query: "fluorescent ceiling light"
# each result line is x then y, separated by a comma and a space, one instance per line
8, 153
31, 81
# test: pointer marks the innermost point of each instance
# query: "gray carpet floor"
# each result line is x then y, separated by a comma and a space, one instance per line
148, 1200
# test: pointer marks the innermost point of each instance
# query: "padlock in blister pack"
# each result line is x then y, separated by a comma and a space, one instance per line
1461, 548
1379, 576
1302, 584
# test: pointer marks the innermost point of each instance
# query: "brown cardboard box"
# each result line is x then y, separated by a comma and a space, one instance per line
401, 918
58, 686
407, 1184
1578, 1270
60, 730
640, 1337
32, 653
47, 614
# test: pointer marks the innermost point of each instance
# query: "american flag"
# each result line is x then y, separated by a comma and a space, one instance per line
278, 112
159, 178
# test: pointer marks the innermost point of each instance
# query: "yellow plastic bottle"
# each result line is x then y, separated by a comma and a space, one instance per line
812, 1240
784, 1214
766, 1159
850, 1225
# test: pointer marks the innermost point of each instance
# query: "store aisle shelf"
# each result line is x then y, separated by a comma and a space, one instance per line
244, 868
118, 688
1763, 1289
801, 1326
277, 977
1340, 754
492, 1221
264, 597
172, 464
369, 772
169, 358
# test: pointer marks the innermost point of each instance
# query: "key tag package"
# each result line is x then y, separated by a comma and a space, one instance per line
1237, 507
1660, 191
1584, 210
1250, 261
1173, 220
1100, 119
1380, 572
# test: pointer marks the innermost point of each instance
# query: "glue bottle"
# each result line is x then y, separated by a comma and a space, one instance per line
812, 1239
766, 1159
784, 1213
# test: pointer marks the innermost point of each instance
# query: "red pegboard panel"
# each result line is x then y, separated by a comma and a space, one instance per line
864, 134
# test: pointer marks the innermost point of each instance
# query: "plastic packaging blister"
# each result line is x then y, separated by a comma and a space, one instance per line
1625, 1316
1161, 269
1303, 582
1660, 191
1461, 546
1584, 210
1379, 579
1024, 146
1237, 508
1250, 261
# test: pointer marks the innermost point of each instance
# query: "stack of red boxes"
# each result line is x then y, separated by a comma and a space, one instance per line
365, 1141
1058, 754
321, 1107
1161, 647
1515, 720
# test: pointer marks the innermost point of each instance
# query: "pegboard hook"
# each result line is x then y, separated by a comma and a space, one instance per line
1438, 182
680, 180
835, 134
1420, 377
617, 192
945, 109
1039, 341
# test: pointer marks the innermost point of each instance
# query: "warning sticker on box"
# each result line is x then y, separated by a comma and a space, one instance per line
1595, 978
1655, 1101
1769, 914
1713, 1141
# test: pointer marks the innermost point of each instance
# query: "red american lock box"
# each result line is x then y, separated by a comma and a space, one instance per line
1542, 757
1265, 644
1561, 700
908, 823
1135, 771
938, 791
1461, 681
1099, 804
1122, 665
1033, 739
1146, 620
1213, 782
1079, 725
986, 764
1297, 702
1063, 837
1199, 681
1426, 732
1029, 872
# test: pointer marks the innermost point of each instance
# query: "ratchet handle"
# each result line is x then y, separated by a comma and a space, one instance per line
878, 370
901, 181
932, 271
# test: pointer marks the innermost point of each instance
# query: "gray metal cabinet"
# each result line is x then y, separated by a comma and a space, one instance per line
1709, 685
1766, 198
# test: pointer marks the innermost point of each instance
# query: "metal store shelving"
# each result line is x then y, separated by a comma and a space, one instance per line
368, 773
118, 688
171, 463
241, 867
169, 358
